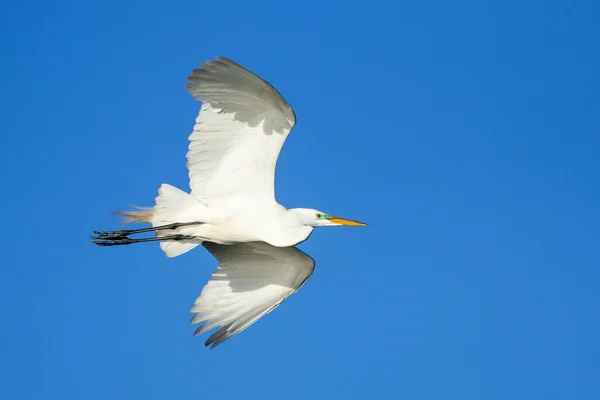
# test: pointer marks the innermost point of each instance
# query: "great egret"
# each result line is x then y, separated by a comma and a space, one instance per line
239, 132
242, 126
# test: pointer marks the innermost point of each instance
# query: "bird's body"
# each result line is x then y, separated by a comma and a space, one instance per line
240, 130
225, 223
278, 228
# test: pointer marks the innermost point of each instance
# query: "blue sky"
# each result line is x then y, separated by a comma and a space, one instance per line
466, 133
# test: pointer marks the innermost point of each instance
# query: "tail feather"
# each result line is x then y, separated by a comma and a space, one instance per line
172, 205
143, 215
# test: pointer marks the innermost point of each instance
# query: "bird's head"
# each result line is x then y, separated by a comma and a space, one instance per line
314, 218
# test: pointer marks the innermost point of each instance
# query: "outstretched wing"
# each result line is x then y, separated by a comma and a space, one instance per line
252, 279
242, 126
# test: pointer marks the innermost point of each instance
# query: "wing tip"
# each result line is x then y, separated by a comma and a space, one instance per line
217, 338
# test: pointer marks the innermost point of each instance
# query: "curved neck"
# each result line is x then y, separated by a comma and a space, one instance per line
291, 229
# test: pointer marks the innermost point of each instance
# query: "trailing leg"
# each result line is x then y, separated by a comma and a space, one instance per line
172, 206
127, 232
118, 241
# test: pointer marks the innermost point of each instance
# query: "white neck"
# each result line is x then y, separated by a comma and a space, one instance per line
292, 229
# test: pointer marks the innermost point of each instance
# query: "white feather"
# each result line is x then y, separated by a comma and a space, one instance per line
242, 126
252, 279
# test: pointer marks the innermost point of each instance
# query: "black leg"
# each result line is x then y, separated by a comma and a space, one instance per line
110, 241
126, 232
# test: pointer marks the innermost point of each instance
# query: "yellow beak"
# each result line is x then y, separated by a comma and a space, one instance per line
348, 222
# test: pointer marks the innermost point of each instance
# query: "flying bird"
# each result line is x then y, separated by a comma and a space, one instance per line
231, 209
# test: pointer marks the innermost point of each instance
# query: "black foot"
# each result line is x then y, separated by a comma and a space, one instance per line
126, 232
117, 241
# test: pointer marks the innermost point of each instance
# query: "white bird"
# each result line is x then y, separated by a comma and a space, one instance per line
239, 132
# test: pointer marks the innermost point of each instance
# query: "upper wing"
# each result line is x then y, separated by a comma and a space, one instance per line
242, 125
252, 279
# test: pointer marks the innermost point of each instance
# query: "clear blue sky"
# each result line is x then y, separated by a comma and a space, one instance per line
466, 133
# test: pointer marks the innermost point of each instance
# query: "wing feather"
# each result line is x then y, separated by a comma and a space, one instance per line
252, 280
240, 130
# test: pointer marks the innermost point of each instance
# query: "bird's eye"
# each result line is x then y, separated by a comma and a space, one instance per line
318, 215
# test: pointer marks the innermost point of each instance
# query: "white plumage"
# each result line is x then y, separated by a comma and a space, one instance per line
252, 279
233, 151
